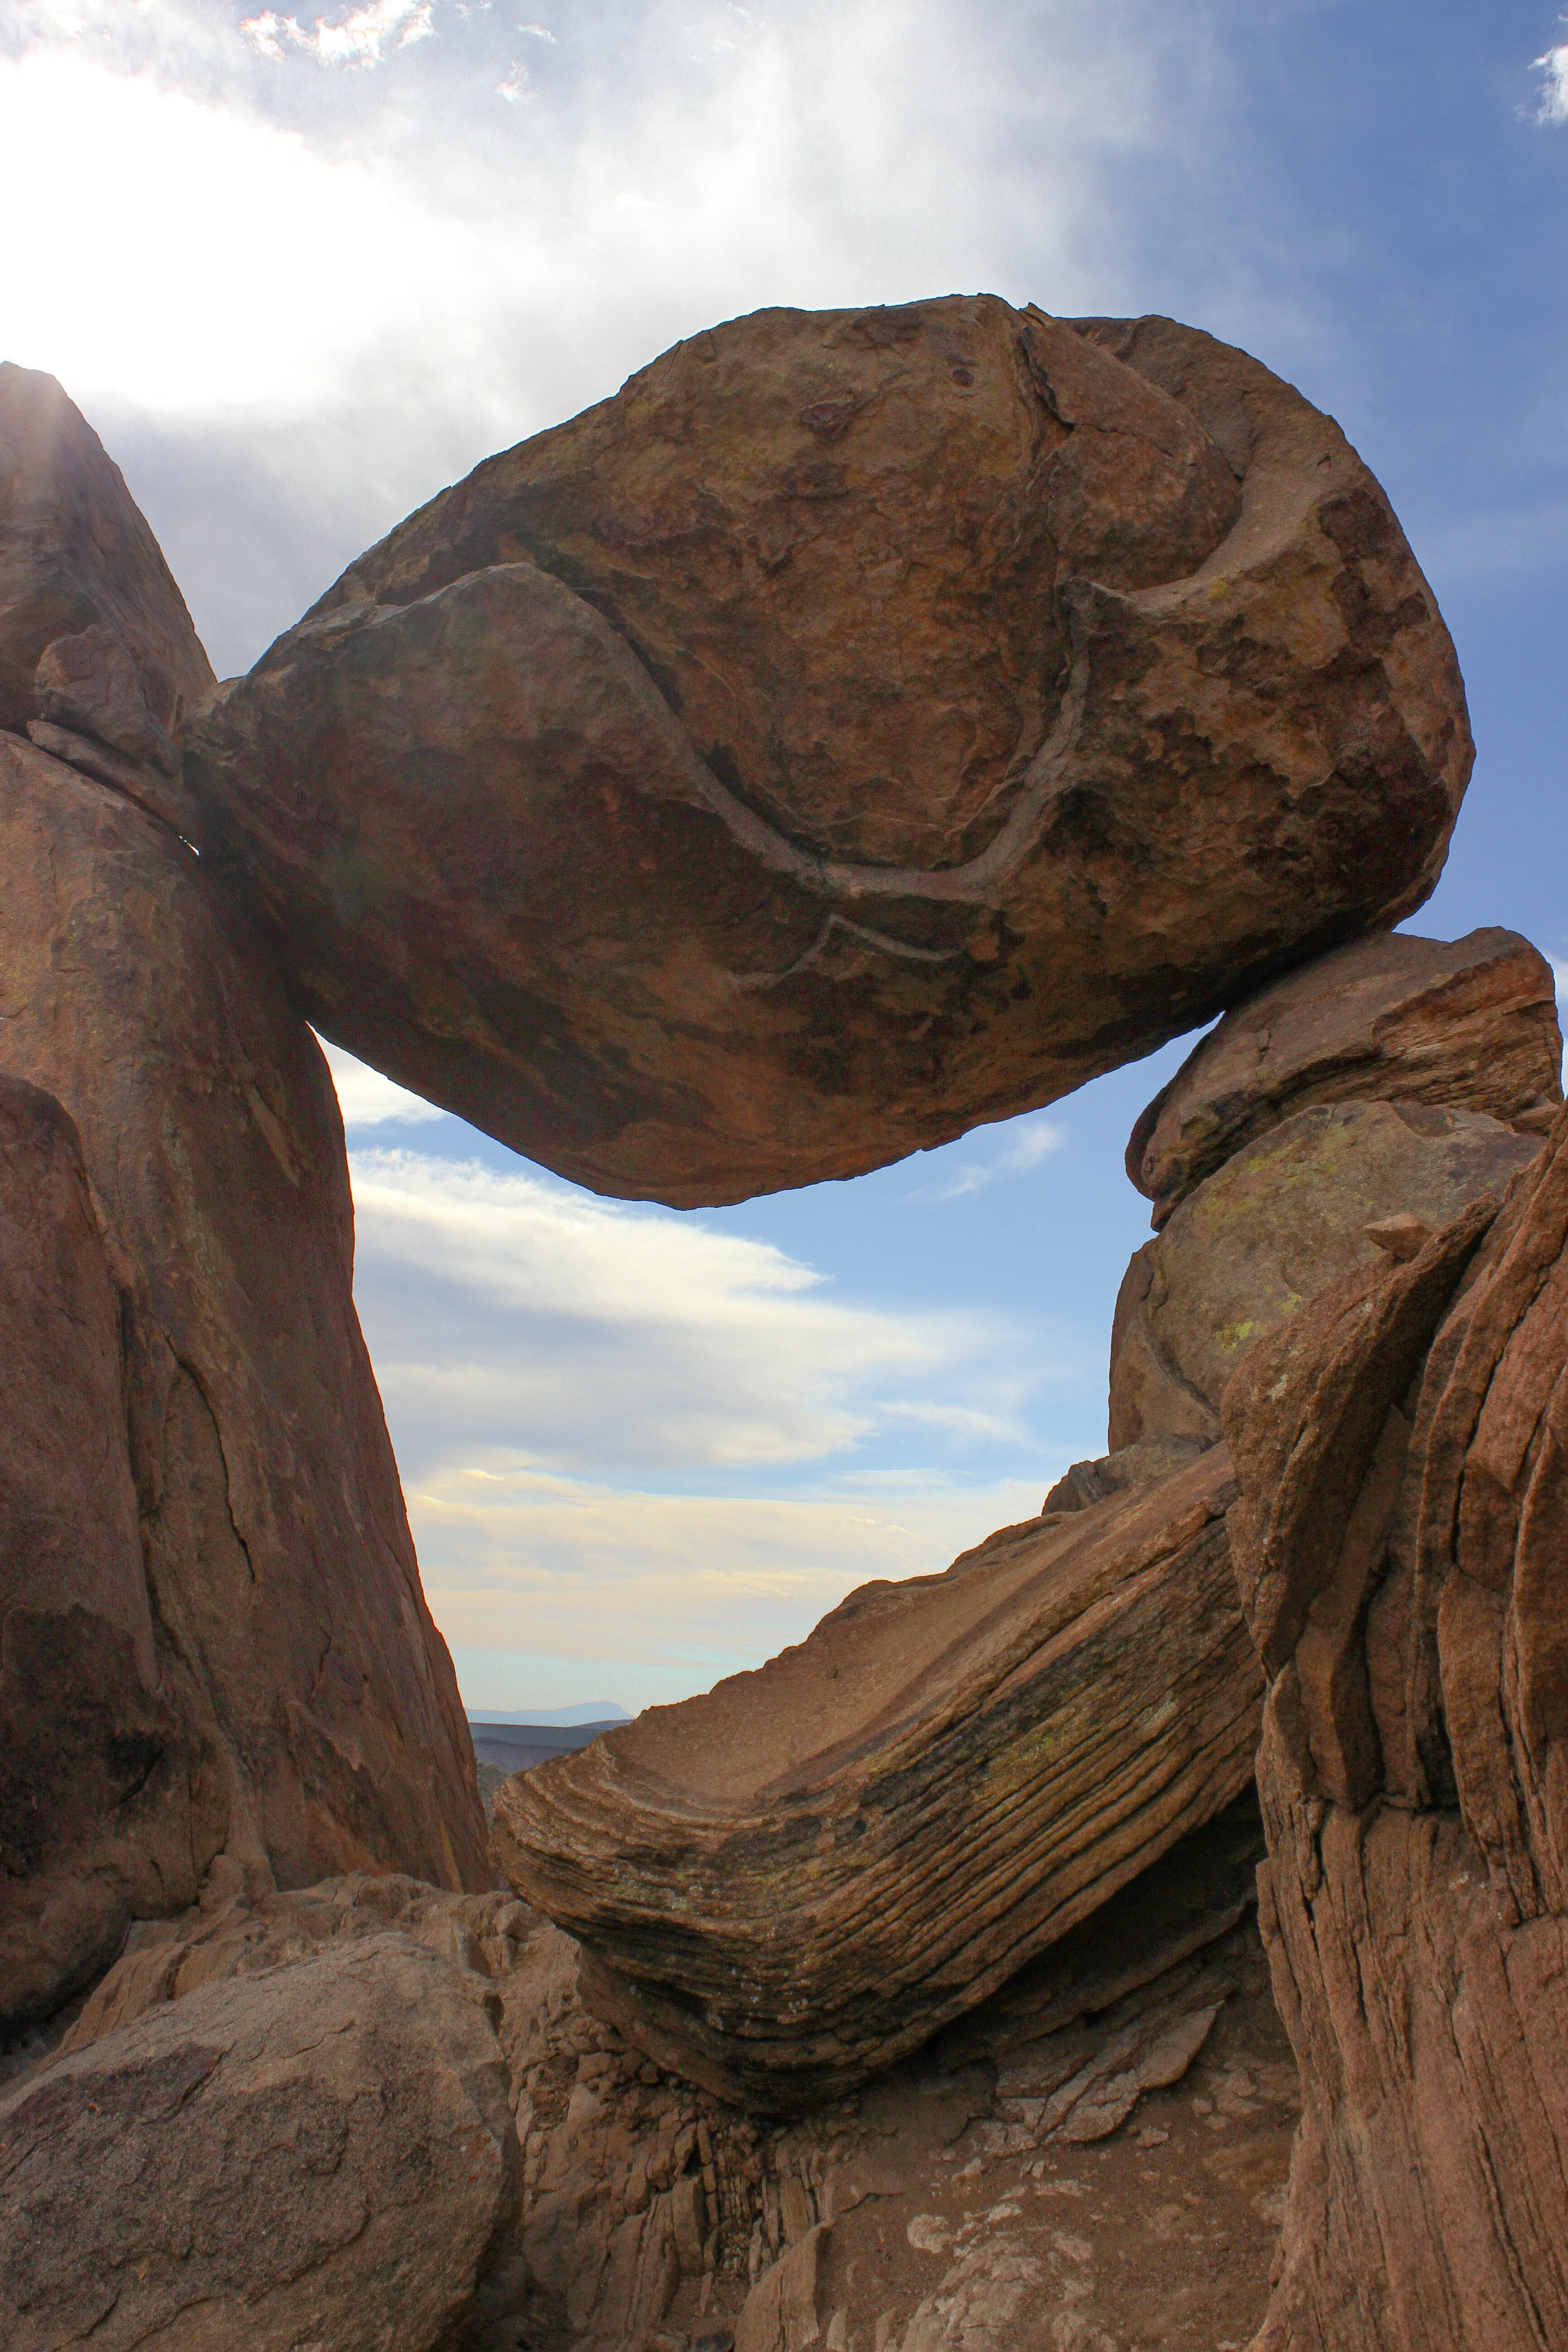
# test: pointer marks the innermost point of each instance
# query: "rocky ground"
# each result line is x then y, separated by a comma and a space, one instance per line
1096, 2158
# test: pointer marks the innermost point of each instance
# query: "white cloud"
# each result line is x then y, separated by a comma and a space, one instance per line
367, 1099
512, 1310
297, 265
376, 290
363, 37
1029, 1141
546, 1587
553, 1365
1553, 71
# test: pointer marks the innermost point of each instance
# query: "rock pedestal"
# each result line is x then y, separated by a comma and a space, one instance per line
865, 724
215, 1635
1469, 1024
1402, 1547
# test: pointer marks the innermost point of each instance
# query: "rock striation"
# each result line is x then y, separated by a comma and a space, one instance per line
650, 2212
1399, 1545
1467, 1025
789, 1882
865, 724
97, 656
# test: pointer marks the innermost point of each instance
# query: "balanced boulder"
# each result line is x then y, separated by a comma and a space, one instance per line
865, 724
1467, 1025
1400, 1546
216, 1638
787, 1884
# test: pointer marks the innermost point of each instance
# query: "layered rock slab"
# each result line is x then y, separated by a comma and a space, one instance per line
1469, 1024
786, 1884
319, 2154
865, 724
1288, 1214
1399, 1548
295, 1669
98, 653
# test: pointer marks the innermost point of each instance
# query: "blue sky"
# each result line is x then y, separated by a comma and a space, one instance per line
301, 271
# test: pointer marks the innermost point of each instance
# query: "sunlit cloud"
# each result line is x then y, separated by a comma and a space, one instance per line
1029, 1141
1554, 69
361, 39
367, 1099
387, 275
546, 1587
512, 1310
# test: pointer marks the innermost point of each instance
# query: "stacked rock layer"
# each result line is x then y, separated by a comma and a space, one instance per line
790, 1882
1403, 1452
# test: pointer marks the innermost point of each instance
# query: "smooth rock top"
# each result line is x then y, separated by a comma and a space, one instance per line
865, 724
1471, 1024
95, 644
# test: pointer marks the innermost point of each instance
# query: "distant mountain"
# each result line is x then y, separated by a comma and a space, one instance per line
600, 1710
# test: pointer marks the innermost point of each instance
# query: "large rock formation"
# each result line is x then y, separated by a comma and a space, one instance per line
789, 1882
1292, 1211
1400, 1548
865, 724
1470, 1025
214, 1633
320, 2155
110, 1800
97, 656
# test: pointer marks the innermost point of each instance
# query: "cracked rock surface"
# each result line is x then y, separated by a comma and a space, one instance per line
1403, 1449
1094, 2158
294, 1706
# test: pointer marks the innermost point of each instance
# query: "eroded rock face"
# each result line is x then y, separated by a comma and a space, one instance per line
248, 1590
1466, 1026
864, 725
1288, 1214
321, 2154
108, 1802
97, 650
789, 1882
653, 2213
1401, 1554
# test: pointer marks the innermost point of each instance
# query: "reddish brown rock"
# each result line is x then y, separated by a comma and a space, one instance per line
1291, 1212
1470, 1025
320, 2154
108, 1798
97, 650
1400, 1551
865, 724
787, 1884
247, 1582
